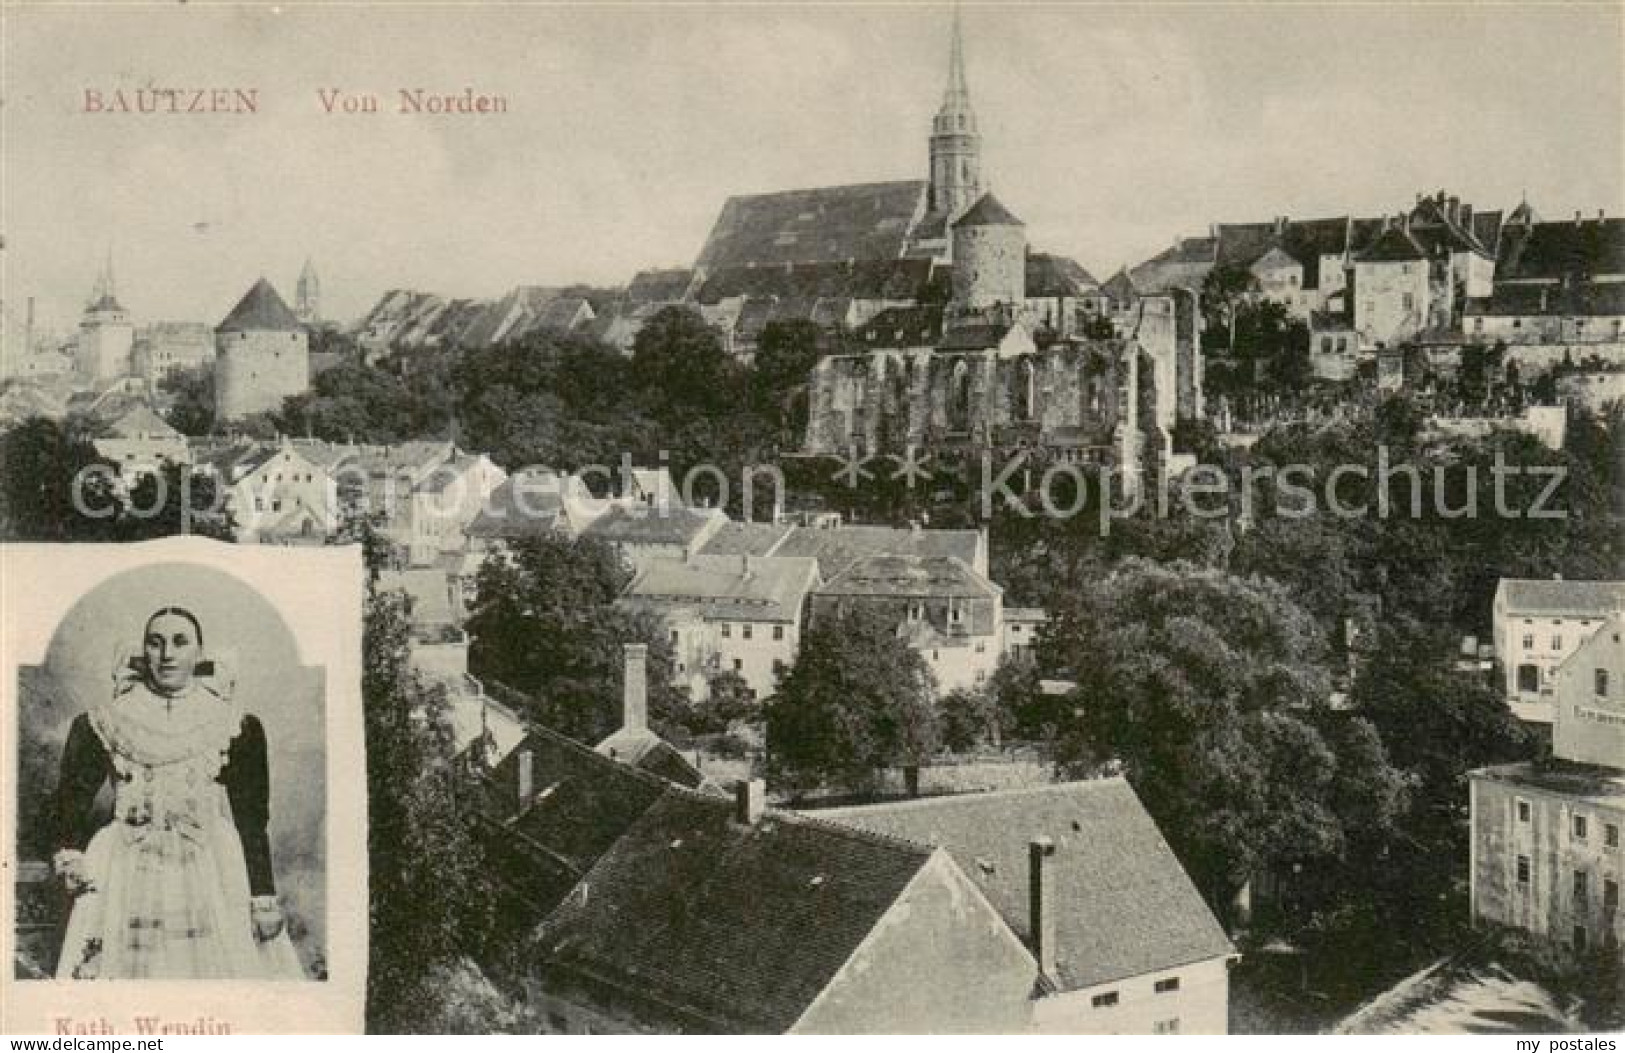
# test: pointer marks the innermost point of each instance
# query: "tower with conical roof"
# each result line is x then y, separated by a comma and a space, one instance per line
262, 355
956, 145
990, 259
106, 334
307, 295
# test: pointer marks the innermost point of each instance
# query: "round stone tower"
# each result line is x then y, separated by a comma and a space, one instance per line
106, 335
990, 257
262, 355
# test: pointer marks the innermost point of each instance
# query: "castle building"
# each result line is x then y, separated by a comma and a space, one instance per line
307, 296
106, 334
262, 355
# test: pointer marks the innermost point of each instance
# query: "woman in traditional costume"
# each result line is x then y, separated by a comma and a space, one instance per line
178, 884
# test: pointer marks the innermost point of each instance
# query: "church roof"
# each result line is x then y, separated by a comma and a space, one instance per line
988, 212
865, 221
260, 309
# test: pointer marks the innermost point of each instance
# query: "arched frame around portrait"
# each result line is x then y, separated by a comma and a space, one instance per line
284, 625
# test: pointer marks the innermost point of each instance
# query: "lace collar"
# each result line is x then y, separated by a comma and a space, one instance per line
147, 728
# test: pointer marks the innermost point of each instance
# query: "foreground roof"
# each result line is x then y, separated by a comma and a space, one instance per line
727, 927
770, 589
911, 575
838, 547
1125, 907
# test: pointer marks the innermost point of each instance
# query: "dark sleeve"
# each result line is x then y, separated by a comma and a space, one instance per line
85, 767
247, 779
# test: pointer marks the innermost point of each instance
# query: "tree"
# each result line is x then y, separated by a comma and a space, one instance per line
545, 623
191, 393
1212, 693
786, 353
679, 365
1226, 287
41, 460
856, 702
427, 884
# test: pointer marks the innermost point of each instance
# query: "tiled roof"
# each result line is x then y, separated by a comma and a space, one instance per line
527, 504
1242, 243
1049, 275
770, 589
659, 286
1603, 299
838, 547
738, 539
1395, 245
988, 212
868, 221
260, 309
640, 526
726, 927
141, 421
1555, 596
1124, 906
910, 575
1310, 239
903, 279
1553, 251
903, 327
976, 336
1486, 227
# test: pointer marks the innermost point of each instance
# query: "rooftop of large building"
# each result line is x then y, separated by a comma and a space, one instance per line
742, 587
838, 547
866, 221
1581, 247
910, 576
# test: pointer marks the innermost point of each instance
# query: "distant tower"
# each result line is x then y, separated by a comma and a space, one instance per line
262, 355
990, 258
956, 147
106, 335
307, 295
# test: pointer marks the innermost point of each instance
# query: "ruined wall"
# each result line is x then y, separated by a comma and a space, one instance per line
1068, 394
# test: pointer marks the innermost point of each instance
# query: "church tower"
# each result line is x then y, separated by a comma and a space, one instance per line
956, 146
106, 335
307, 295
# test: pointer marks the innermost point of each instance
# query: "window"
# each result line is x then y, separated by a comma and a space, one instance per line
739, 665
1523, 811
1579, 828
1523, 870
1167, 986
1101, 1001
1557, 643
745, 630
1528, 641
1610, 894
1579, 937
778, 632
727, 631
674, 636
1166, 1027
1408, 301
1610, 835
1600, 682
1528, 678
1581, 885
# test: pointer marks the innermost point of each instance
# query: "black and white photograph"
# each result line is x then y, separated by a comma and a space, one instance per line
847, 518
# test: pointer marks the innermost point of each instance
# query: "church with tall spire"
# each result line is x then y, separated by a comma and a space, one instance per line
956, 145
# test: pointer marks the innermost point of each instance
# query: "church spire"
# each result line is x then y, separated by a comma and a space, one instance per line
956, 147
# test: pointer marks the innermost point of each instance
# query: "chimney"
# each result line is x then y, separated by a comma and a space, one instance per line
745, 567
750, 801
1041, 902
1453, 209
635, 687
527, 777
1577, 217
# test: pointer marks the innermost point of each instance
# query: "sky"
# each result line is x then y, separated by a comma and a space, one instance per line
1111, 130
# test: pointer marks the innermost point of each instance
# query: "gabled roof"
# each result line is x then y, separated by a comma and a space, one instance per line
718, 926
659, 286
141, 422
641, 526
988, 212
838, 547
867, 221
768, 589
903, 327
1124, 905
1049, 275
1395, 245
911, 575
740, 539
261, 309
532, 503
1557, 596
1568, 248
